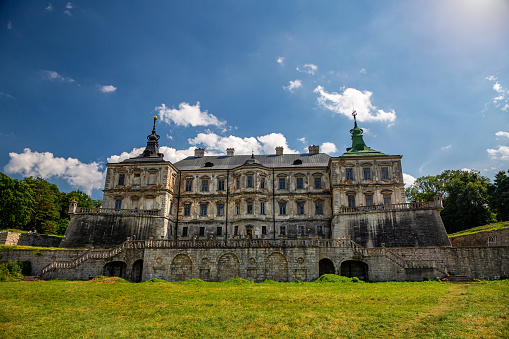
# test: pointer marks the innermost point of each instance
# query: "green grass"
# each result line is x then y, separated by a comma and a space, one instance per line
485, 228
196, 309
18, 247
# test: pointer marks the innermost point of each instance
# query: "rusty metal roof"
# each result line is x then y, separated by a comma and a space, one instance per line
223, 162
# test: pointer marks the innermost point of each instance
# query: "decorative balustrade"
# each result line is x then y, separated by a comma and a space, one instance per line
418, 205
116, 211
245, 243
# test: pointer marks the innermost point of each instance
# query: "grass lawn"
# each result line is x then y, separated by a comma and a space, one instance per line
62, 309
484, 228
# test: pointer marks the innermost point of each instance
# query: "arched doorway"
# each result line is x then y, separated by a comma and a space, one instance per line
115, 269
137, 272
181, 268
276, 267
228, 266
326, 266
354, 268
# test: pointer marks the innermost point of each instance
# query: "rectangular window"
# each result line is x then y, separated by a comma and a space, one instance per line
264, 230
235, 230
171, 208
282, 208
202, 231
220, 209
369, 199
189, 185
118, 204
351, 201
249, 207
237, 183
203, 209
262, 183
282, 230
262, 208
249, 181
152, 178
318, 182
349, 173
237, 208
300, 182
219, 231
301, 230
318, 208
300, 208
121, 179
184, 231
385, 172
387, 199
137, 178
282, 183
319, 230
220, 185
187, 209
367, 173
204, 185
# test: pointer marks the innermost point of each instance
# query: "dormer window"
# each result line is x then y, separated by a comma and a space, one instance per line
297, 162
209, 164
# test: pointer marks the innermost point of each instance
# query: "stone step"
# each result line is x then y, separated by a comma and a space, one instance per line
30, 278
458, 279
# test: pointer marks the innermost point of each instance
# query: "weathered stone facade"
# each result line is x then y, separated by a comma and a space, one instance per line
487, 238
28, 239
280, 217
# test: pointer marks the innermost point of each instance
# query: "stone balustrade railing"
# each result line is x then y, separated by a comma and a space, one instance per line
115, 211
245, 243
392, 207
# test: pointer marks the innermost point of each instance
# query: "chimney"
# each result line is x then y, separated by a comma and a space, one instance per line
314, 149
199, 152
230, 152
279, 150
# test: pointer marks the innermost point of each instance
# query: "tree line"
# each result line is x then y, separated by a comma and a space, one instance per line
33, 204
470, 199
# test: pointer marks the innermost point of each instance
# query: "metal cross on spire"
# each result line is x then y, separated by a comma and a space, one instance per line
354, 113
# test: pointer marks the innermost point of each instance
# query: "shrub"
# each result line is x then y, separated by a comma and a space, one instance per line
10, 271
333, 278
156, 280
237, 281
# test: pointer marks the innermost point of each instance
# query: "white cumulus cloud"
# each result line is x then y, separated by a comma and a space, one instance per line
170, 154
328, 147
187, 115
107, 89
363, 71
265, 144
502, 134
308, 68
303, 140
86, 177
343, 103
281, 61
446, 147
501, 100
408, 179
293, 85
501, 153
54, 76
49, 8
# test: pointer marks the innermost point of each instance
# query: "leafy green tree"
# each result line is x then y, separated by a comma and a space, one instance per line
499, 195
466, 197
82, 199
46, 213
16, 202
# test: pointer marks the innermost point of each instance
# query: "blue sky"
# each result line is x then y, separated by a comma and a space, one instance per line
80, 81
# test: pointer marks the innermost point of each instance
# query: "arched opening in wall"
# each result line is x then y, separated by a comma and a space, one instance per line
325, 266
115, 269
137, 272
228, 267
276, 267
354, 268
181, 268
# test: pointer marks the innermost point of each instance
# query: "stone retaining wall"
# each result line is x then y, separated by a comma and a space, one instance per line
480, 239
24, 239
